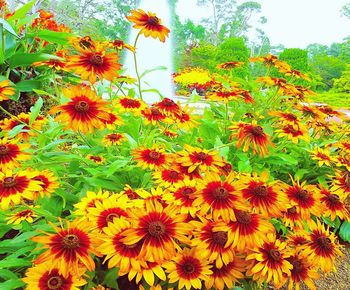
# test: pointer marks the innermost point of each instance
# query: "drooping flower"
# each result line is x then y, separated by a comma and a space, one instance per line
95, 63
12, 153
322, 249
269, 262
117, 253
341, 183
251, 135
188, 269
85, 112
149, 24
194, 157
70, 247
6, 90
227, 275
230, 65
154, 116
212, 243
16, 186
46, 276
302, 271
158, 228
168, 107
219, 198
292, 218
152, 158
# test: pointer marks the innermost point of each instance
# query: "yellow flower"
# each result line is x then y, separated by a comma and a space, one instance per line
6, 90
23, 215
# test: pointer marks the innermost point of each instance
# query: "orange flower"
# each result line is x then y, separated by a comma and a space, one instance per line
6, 90
251, 134
84, 112
149, 24
95, 63
230, 65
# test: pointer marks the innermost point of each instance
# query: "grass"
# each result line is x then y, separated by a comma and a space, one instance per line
336, 100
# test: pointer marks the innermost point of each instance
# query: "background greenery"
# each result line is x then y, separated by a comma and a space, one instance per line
216, 39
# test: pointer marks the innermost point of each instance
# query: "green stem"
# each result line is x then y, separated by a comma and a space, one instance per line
120, 89
222, 146
226, 116
84, 139
2, 60
136, 67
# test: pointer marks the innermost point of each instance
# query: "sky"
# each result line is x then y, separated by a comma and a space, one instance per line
293, 23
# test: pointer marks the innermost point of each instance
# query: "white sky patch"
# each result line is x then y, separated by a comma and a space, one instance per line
293, 23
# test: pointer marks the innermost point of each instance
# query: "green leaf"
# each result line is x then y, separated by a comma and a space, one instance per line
28, 85
116, 165
14, 262
22, 11
7, 275
12, 284
53, 36
15, 130
111, 278
344, 231
223, 150
35, 110
24, 59
7, 26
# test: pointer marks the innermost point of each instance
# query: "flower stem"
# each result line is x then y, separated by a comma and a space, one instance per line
136, 67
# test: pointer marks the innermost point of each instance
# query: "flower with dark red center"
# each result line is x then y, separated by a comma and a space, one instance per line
292, 218
269, 261
113, 139
149, 24
265, 197
168, 177
46, 276
151, 158
49, 182
334, 206
128, 104
302, 271
247, 231
27, 215
322, 156
251, 135
69, 248
85, 112
159, 228
212, 242
322, 249
154, 116
12, 153
306, 198
94, 63
194, 157
227, 275
341, 183
293, 132
168, 107
188, 269
16, 186
96, 159
219, 198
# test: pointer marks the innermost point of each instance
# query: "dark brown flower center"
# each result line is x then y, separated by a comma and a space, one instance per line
274, 255
111, 217
25, 213
292, 210
168, 103
243, 217
221, 193
302, 194
156, 229
333, 198
70, 241
54, 282
220, 238
188, 268
154, 155
257, 131
187, 190
153, 20
96, 59
4, 149
173, 174
260, 190
201, 156
9, 182
82, 106
298, 266
114, 137
155, 112
324, 243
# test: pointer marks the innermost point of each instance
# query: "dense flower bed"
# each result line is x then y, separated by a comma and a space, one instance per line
100, 193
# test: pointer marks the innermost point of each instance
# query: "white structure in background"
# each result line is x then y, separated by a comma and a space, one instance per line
152, 53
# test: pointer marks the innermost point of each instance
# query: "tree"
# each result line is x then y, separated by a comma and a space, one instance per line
296, 57
342, 84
